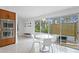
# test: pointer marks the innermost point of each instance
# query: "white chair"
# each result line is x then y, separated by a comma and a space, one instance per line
36, 41
46, 43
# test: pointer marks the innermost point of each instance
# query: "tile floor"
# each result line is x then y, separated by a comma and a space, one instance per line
25, 45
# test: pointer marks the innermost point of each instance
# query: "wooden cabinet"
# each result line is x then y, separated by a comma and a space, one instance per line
7, 16
12, 16
3, 14
6, 42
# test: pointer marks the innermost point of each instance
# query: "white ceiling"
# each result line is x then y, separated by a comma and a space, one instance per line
34, 11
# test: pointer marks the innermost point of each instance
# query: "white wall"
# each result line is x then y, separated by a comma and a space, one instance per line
20, 24
29, 26
24, 26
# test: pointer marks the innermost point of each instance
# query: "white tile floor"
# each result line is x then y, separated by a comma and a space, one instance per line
25, 45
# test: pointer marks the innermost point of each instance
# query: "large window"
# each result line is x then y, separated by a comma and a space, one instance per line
41, 26
64, 28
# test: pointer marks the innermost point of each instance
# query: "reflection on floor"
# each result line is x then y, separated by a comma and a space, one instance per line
57, 49
69, 43
25, 45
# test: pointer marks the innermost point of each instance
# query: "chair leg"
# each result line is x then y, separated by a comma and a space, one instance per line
51, 48
32, 47
39, 47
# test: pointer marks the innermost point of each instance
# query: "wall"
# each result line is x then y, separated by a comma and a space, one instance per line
29, 26
20, 24
24, 26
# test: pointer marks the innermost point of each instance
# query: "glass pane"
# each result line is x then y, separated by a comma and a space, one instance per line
55, 26
37, 26
67, 19
4, 24
5, 34
10, 25
74, 18
62, 20
44, 26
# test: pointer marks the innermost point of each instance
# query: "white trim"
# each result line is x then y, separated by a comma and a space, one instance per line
16, 40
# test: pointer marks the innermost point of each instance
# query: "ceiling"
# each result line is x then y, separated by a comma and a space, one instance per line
34, 11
